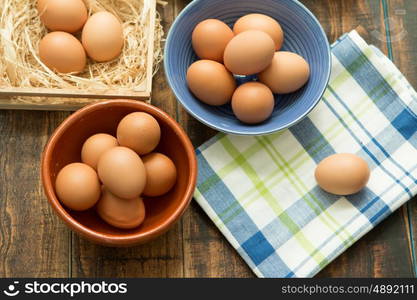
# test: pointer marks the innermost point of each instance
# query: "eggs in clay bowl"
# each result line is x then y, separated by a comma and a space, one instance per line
119, 172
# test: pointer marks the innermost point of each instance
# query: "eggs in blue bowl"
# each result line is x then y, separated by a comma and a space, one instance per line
303, 35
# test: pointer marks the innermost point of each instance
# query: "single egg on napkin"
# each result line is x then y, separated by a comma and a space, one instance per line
210, 38
342, 174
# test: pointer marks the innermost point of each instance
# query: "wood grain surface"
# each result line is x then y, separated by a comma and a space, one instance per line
35, 243
401, 20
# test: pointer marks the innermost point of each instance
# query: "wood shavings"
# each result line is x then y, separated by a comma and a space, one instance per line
21, 31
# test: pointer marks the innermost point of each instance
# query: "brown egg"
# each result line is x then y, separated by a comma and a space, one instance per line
253, 102
211, 82
95, 146
77, 186
249, 52
342, 174
161, 174
287, 73
210, 38
263, 23
122, 172
120, 213
62, 15
102, 37
139, 131
62, 52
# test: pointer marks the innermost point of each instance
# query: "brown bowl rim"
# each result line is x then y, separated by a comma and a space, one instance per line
129, 238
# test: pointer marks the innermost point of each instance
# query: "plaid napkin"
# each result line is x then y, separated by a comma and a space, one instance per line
261, 192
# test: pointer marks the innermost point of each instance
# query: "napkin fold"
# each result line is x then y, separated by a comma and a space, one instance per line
261, 192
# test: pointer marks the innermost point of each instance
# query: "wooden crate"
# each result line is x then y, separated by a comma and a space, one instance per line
142, 92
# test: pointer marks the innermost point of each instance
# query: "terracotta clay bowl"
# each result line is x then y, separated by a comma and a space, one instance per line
64, 147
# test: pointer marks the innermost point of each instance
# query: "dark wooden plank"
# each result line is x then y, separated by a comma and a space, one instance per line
401, 17
384, 252
160, 258
33, 241
206, 251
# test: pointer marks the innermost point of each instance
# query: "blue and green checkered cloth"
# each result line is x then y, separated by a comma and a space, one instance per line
261, 192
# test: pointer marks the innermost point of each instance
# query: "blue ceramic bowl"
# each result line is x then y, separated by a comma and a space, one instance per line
303, 35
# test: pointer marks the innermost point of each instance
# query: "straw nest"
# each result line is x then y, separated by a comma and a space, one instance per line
21, 31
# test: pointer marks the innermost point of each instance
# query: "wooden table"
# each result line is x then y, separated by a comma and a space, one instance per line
35, 243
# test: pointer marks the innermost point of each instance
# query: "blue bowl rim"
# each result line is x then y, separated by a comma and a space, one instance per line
239, 132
